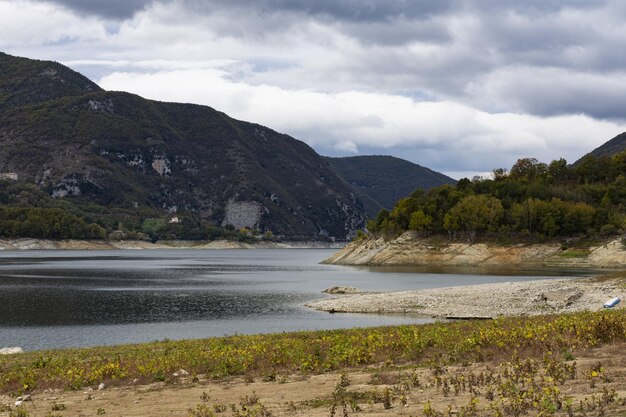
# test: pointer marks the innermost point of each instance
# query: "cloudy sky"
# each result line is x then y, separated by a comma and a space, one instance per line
461, 87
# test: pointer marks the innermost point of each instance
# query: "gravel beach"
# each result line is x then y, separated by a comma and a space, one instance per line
485, 300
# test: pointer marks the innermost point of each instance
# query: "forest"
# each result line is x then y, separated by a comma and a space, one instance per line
26, 211
533, 200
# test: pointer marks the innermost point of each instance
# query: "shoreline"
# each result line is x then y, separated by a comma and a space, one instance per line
485, 301
384, 371
26, 244
408, 249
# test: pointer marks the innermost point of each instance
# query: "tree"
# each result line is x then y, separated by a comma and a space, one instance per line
529, 168
557, 170
475, 214
525, 215
499, 173
420, 221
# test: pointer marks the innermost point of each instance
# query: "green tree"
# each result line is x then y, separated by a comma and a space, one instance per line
420, 221
558, 170
475, 214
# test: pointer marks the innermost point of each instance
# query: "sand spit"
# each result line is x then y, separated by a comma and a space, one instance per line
485, 300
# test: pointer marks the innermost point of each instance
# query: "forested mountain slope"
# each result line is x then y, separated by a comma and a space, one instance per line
117, 159
380, 181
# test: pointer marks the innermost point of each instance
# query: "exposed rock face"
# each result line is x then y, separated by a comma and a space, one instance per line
242, 214
75, 141
161, 165
410, 250
342, 290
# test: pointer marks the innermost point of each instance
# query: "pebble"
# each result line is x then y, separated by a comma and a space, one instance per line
180, 372
101, 386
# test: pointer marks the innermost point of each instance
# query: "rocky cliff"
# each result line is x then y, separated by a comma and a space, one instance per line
411, 250
100, 151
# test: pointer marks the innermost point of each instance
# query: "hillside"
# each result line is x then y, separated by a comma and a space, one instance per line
28, 81
380, 181
610, 148
93, 153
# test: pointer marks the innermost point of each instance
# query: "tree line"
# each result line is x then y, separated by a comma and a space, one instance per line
46, 223
532, 200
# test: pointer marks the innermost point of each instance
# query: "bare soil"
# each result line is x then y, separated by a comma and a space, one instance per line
312, 395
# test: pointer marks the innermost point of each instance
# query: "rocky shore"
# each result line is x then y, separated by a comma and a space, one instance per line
411, 250
43, 244
485, 300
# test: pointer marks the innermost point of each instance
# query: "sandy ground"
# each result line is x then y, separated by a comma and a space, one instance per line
296, 395
485, 300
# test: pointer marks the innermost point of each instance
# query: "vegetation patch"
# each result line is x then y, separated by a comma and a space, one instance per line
311, 352
574, 254
534, 202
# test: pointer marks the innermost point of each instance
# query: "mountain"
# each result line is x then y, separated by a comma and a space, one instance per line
379, 181
106, 151
613, 146
27, 81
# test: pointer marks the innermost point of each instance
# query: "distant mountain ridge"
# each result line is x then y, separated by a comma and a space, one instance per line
120, 160
609, 148
112, 150
380, 181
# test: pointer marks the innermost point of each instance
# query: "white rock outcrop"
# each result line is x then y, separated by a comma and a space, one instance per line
11, 351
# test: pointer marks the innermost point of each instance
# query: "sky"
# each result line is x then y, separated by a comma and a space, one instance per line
460, 87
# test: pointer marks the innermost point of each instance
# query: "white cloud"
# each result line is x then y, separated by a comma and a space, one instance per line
465, 88
24, 23
348, 121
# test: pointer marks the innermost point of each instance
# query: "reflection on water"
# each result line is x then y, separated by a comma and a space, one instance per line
496, 270
83, 298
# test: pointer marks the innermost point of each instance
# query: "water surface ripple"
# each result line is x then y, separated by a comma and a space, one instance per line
53, 299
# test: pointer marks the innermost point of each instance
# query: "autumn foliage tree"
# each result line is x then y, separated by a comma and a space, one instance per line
532, 200
474, 214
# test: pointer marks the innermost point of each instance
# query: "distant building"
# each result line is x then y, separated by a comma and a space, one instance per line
8, 176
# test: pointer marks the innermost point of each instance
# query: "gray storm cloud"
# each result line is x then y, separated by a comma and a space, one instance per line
529, 74
116, 9
351, 10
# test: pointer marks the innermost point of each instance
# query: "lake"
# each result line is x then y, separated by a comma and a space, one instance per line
55, 299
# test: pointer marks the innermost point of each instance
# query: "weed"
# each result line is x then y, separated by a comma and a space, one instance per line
387, 399
441, 344
58, 407
19, 412
201, 410
568, 355
249, 400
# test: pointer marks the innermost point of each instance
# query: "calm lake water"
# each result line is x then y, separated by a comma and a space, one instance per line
53, 299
